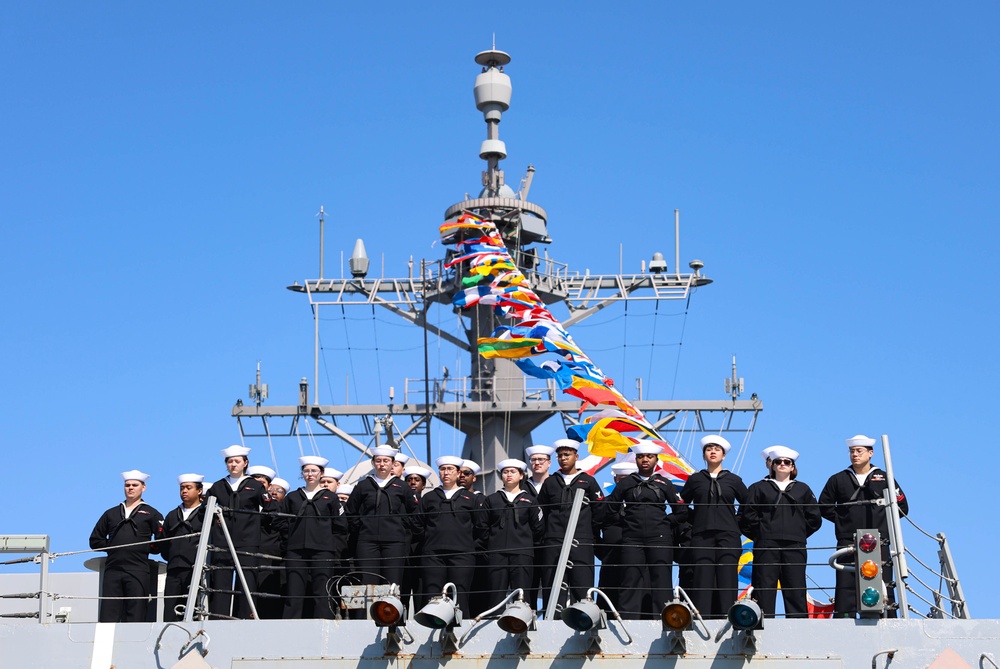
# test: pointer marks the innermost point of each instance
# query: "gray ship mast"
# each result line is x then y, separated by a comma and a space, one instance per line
496, 407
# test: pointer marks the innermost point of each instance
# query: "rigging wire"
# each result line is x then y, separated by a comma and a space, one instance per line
625, 346
652, 341
378, 362
270, 445
680, 346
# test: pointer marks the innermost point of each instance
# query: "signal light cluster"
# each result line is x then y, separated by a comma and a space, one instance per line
871, 587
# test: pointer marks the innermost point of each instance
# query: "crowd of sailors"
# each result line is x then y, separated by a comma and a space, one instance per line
297, 546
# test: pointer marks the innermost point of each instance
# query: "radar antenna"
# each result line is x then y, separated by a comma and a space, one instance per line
734, 385
258, 391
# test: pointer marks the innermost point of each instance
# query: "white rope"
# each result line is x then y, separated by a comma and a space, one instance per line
270, 445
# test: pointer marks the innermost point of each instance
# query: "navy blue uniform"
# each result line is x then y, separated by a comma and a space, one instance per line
647, 540
126, 570
314, 526
779, 522
715, 539
514, 528
380, 518
449, 530
556, 499
180, 555
271, 582
242, 512
849, 507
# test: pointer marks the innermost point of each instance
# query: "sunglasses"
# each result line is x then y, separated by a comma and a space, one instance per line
783, 461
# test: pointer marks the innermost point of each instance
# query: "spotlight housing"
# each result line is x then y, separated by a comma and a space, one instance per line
583, 616
387, 611
517, 618
439, 613
676, 616
745, 615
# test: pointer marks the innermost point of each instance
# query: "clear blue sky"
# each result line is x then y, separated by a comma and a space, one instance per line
836, 169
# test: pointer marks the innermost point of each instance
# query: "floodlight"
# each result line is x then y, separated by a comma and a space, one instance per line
744, 614
387, 611
517, 618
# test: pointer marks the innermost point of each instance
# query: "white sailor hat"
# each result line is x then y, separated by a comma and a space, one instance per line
511, 462
449, 460
539, 449
235, 450
331, 473
134, 475
400, 457
261, 470
717, 440
783, 452
317, 460
345, 489
624, 468
469, 464
767, 453
281, 483
860, 440
190, 478
422, 472
566, 443
646, 447
382, 449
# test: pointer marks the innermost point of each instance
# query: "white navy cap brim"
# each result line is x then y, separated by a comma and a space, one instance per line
766, 453
469, 464
383, 450
281, 483
860, 440
331, 473
135, 475
511, 462
710, 439
783, 452
624, 468
646, 447
235, 451
566, 443
316, 460
190, 478
422, 472
539, 449
400, 457
449, 460
261, 470
345, 489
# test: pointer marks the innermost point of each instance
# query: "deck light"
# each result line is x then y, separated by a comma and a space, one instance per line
387, 611
583, 616
744, 614
517, 618
442, 613
676, 616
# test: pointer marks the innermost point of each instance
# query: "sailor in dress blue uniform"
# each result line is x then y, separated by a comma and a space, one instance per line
126, 570
241, 498
180, 554
556, 498
848, 501
515, 525
715, 533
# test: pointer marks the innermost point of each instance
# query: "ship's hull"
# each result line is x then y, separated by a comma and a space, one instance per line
308, 644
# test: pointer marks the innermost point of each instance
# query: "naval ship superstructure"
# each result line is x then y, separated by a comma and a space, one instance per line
496, 411
495, 407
